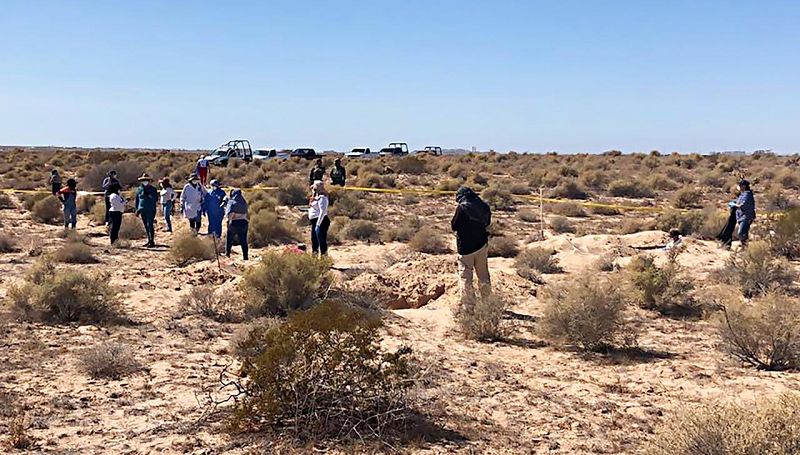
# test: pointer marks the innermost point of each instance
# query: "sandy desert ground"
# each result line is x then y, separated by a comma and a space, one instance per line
518, 395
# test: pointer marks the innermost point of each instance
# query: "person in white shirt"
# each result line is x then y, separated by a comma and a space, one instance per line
192, 202
116, 206
167, 196
318, 216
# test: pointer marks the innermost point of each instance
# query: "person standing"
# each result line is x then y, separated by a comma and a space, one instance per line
109, 183
338, 173
145, 205
470, 223
167, 195
745, 211
192, 202
115, 210
318, 217
202, 170
213, 201
55, 181
236, 213
69, 196
317, 172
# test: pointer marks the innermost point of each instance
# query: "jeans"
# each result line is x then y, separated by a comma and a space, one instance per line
149, 220
70, 216
167, 209
238, 229
479, 262
744, 231
319, 236
194, 223
115, 218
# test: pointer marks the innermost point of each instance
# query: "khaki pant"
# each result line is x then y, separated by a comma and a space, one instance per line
479, 262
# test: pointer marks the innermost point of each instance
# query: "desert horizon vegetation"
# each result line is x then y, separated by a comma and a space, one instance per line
595, 340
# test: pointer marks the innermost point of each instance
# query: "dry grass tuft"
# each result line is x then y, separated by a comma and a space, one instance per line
481, 318
109, 360
188, 247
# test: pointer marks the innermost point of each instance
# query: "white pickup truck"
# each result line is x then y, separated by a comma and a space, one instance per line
238, 149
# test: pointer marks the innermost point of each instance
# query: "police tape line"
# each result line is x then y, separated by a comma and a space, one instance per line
422, 192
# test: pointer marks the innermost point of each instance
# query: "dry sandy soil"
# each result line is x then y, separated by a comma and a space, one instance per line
516, 396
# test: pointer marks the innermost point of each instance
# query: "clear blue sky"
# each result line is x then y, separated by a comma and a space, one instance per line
569, 76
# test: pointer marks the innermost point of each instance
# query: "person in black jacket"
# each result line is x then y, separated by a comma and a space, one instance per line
470, 221
317, 172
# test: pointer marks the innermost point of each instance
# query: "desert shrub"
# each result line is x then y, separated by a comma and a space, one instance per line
323, 375
362, 230
528, 216
63, 296
604, 210
764, 333
131, 228
6, 202
713, 221
207, 302
403, 232
778, 200
292, 192
448, 185
537, 259
8, 243
688, 222
110, 360
47, 210
373, 180
481, 318
75, 252
282, 282
687, 198
757, 270
350, 204
30, 199
788, 179
631, 189
569, 189
428, 240
503, 247
519, 189
605, 263
84, 204
786, 238
567, 209
98, 214
632, 226
265, 228
188, 247
409, 199
562, 225
497, 198
662, 183
19, 436
410, 165
771, 427
594, 179
666, 289
588, 312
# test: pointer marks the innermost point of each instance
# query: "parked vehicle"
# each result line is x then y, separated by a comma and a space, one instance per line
264, 154
430, 150
360, 152
238, 149
394, 149
305, 153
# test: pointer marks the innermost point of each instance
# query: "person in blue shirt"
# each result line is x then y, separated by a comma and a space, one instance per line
145, 206
745, 211
213, 202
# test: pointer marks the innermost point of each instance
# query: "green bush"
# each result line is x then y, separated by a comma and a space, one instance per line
265, 228
764, 333
786, 240
292, 192
569, 189
772, 427
323, 375
666, 289
588, 312
62, 296
283, 282
757, 270
498, 198
687, 198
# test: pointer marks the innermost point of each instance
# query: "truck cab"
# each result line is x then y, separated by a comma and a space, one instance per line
431, 150
395, 149
238, 149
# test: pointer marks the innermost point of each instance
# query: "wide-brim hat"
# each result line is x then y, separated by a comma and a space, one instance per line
192, 176
215, 183
145, 176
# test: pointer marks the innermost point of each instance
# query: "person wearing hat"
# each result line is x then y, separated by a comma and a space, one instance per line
213, 202
236, 213
745, 211
145, 206
192, 202
55, 181
338, 173
317, 172
167, 195
470, 223
68, 197
109, 183
318, 216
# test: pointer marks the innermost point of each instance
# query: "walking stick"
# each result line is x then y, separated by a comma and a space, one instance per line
216, 252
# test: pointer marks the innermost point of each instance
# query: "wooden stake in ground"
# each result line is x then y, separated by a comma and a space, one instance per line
541, 211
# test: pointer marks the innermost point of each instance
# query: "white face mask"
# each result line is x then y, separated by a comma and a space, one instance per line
194, 182
145, 182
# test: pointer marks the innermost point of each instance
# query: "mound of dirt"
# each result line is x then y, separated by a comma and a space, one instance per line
412, 283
